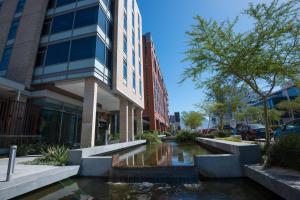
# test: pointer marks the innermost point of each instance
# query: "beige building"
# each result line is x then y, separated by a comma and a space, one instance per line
79, 62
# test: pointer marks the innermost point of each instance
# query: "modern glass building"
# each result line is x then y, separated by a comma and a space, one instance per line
78, 62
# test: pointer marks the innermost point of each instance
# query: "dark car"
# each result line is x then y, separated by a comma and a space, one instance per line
292, 127
208, 130
251, 131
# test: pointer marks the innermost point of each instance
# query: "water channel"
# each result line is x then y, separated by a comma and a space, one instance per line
166, 154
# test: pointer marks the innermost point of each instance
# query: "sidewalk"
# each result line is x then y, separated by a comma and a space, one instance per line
31, 177
284, 182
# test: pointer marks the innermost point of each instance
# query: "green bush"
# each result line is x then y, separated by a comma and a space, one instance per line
151, 137
232, 139
30, 149
286, 152
185, 136
167, 133
55, 155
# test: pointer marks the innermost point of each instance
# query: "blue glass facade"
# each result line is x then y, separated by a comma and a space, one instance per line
78, 49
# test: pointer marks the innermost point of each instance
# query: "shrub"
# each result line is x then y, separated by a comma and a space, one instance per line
151, 137
167, 133
286, 152
30, 149
55, 155
232, 139
184, 136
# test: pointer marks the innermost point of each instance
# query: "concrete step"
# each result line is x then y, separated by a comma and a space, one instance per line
24, 184
156, 174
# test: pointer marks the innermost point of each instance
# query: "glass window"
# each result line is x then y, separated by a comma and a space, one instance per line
125, 4
64, 2
46, 26
125, 70
106, 2
102, 20
50, 126
133, 38
20, 6
83, 48
132, 20
86, 17
133, 80
132, 5
125, 44
140, 87
139, 51
51, 4
125, 21
41, 56
62, 23
1, 3
133, 58
5, 58
108, 59
110, 32
140, 68
13, 29
100, 51
57, 53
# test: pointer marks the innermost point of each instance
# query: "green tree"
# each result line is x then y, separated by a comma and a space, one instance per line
290, 106
250, 114
222, 99
274, 115
261, 58
192, 119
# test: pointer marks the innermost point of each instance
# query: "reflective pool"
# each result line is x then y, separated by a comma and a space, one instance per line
165, 154
93, 188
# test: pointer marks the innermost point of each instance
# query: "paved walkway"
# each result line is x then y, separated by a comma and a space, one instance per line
284, 182
31, 177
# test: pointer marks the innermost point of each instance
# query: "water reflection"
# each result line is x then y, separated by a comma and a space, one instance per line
93, 188
166, 154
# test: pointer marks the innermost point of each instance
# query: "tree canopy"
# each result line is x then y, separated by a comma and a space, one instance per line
261, 58
192, 119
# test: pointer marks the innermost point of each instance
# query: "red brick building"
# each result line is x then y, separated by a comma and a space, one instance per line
156, 110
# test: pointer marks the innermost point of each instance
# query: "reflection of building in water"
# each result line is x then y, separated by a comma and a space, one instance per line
158, 156
72, 190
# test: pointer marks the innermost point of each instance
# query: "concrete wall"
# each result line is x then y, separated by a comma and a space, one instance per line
126, 90
249, 153
219, 166
75, 156
226, 165
96, 166
6, 17
27, 41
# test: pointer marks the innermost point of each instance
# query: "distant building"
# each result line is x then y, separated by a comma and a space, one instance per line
286, 93
156, 113
175, 121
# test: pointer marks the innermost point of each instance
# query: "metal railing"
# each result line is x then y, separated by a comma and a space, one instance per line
18, 122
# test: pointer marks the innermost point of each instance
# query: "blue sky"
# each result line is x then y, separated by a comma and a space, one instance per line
168, 20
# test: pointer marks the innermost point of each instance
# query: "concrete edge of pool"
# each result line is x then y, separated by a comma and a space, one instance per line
236, 163
226, 165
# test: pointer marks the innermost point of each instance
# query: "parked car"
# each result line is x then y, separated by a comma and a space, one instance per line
251, 131
208, 130
292, 127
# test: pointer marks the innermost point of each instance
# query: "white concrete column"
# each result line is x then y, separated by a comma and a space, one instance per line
123, 120
89, 113
139, 121
131, 123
